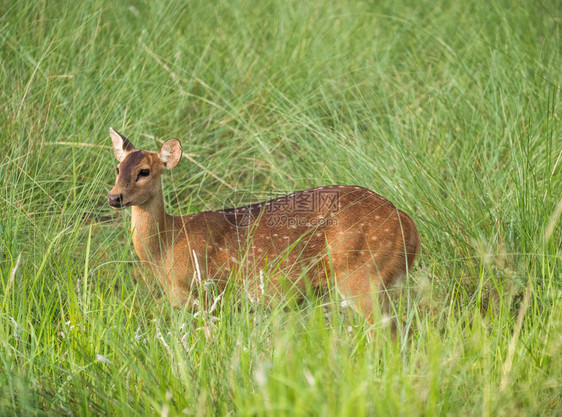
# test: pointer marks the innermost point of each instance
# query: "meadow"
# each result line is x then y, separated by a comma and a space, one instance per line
451, 110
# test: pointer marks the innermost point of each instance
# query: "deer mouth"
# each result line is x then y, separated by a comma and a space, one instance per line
117, 204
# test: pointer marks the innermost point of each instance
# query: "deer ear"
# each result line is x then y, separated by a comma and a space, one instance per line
170, 153
121, 145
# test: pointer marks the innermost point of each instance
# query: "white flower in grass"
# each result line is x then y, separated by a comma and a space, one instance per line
309, 377
101, 358
260, 375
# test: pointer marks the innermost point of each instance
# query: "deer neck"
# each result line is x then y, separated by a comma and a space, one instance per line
150, 225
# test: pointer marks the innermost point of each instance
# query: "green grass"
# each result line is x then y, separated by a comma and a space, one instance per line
450, 109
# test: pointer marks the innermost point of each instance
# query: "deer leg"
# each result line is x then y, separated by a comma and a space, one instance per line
356, 290
366, 293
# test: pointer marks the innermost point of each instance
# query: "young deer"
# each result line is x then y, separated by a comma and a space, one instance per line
342, 236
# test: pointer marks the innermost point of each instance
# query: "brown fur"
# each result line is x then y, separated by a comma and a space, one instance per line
357, 237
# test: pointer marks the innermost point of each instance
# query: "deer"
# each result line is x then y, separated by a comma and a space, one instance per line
336, 236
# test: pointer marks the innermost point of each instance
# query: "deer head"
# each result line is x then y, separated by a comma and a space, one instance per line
138, 172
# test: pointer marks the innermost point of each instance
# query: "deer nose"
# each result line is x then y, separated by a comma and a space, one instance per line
114, 200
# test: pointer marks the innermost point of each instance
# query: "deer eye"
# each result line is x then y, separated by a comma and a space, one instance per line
143, 173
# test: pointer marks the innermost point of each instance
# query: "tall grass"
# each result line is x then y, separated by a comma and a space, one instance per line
449, 109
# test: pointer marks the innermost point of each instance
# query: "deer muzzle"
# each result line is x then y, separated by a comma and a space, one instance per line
115, 200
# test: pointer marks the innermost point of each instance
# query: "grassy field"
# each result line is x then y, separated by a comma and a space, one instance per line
449, 109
